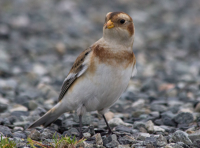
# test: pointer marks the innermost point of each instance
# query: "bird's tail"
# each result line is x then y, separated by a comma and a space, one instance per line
49, 117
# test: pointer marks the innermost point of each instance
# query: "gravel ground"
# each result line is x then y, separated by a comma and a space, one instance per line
40, 40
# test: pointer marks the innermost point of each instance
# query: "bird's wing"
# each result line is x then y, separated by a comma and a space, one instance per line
79, 67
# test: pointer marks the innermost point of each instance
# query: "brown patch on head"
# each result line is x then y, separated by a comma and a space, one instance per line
110, 15
106, 56
130, 29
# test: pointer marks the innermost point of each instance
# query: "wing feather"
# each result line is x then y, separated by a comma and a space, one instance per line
77, 70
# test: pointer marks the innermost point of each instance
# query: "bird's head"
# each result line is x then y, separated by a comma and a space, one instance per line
118, 28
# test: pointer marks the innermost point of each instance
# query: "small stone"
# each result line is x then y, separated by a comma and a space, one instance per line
138, 104
71, 132
47, 90
194, 136
19, 135
3, 107
161, 141
184, 117
167, 118
149, 126
31, 105
109, 115
158, 107
138, 125
18, 107
5, 131
180, 136
158, 129
126, 140
98, 139
118, 121
122, 128
47, 134
86, 135
19, 114
60, 48
150, 141
20, 21
35, 135
143, 136
39, 69
113, 143
17, 128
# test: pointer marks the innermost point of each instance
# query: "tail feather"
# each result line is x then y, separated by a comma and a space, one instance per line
49, 117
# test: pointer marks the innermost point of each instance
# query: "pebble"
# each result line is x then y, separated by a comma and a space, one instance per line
3, 107
180, 136
158, 129
5, 131
143, 136
98, 139
117, 121
86, 135
194, 136
112, 141
161, 141
184, 117
19, 107
35, 135
149, 126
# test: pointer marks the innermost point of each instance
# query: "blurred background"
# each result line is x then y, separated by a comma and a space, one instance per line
40, 40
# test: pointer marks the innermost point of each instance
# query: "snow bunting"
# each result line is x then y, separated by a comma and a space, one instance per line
100, 74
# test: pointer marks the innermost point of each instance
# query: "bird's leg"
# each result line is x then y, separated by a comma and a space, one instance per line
109, 129
80, 124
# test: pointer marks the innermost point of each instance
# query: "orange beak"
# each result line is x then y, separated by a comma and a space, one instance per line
109, 24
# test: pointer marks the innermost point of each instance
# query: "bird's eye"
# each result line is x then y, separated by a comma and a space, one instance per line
122, 21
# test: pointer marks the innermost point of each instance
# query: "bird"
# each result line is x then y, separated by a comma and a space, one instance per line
99, 75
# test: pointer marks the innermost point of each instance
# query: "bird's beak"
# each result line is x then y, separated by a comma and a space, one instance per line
109, 24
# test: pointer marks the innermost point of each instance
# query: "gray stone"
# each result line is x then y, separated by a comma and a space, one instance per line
47, 134
110, 141
86, 135
31, 105
122, 128
149, 126
118, 121
71, 132
167, 118
138, 125
19, 135
158, 107
184, 117
3, 107
114, 142
143, 136
180, 136
126, 140
98, 139
161, 141
5, 131
158, 129
35, 135
194, 136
